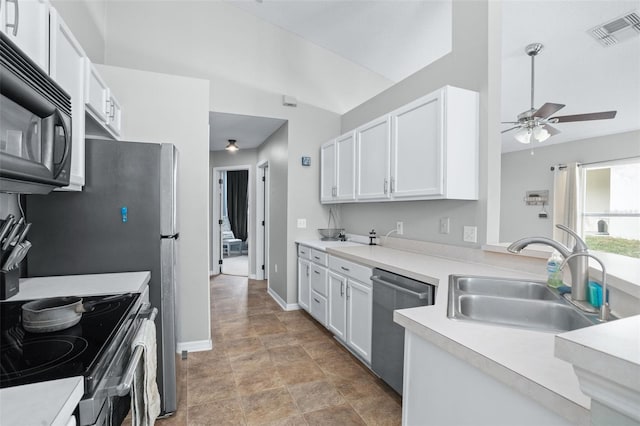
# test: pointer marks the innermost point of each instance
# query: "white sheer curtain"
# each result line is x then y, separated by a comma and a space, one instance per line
566, 196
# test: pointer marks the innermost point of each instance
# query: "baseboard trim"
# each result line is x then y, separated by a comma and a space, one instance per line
195, 346
284, 305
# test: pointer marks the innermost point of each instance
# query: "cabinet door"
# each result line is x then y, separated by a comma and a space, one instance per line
96, 94
318, 279
26, 22
373, 160
359, 307
328, 172
417, 149
114, 115
303, 284
337, 320
67, 62
346, 167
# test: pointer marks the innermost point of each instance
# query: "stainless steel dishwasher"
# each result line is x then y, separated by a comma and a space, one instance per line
391, 292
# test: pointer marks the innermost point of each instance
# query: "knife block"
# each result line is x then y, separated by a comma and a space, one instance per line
9, 280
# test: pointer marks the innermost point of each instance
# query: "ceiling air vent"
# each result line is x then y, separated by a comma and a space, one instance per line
617, 30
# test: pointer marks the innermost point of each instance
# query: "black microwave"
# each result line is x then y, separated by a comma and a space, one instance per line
35, 126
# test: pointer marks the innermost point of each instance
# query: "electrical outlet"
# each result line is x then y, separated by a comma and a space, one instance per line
302, 223
399, 228
470, 234
444, 225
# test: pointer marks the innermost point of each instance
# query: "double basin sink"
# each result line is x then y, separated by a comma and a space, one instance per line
512, 302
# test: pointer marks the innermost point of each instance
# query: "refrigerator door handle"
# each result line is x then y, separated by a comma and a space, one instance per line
172, 236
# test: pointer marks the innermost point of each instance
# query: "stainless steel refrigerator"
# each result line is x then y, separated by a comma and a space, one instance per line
124, 220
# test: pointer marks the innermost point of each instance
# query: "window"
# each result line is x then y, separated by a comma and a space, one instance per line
611, 207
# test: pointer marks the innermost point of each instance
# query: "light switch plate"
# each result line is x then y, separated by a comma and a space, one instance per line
302, 223
470, 234
444, 225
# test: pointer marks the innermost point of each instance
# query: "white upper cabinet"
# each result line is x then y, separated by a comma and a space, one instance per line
67, 68
26, 22
96, 94
416, 156
338, 169
374, 145
425, 150
328, 171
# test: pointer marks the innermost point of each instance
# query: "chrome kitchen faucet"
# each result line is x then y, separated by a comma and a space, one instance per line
578, 265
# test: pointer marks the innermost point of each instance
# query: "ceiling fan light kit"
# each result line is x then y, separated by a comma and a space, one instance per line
534, 124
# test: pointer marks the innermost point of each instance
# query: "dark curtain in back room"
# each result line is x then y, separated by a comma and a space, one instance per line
237, 202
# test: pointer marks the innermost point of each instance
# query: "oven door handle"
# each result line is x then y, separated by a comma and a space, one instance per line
124, 387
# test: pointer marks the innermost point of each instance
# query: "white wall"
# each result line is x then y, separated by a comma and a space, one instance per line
221, 159
166, 108
214, 38
522, 171
88, 23
473, 64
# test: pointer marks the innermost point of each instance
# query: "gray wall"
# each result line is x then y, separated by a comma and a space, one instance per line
473, 64
243, 157
275, 151
522, 171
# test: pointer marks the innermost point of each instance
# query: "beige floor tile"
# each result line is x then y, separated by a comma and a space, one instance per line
300, 372
210, 388
321, 349
379, 410
242, 346
251, 361
252, 381
314, 396
268, 406
343, 415
284, 355
280, 339
220, 412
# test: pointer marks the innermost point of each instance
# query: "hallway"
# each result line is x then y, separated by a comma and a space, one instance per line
274, 367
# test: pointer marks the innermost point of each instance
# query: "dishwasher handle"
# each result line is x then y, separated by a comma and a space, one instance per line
419, 295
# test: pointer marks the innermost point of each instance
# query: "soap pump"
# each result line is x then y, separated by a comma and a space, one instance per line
372, 237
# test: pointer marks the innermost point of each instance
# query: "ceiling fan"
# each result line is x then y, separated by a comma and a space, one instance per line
534, 124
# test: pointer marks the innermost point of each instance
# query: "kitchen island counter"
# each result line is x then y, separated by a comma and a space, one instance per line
521, 359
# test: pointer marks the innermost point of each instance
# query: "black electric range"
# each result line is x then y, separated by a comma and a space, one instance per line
76, 351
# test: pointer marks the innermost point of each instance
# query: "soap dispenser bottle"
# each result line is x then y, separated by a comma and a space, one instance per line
554, 274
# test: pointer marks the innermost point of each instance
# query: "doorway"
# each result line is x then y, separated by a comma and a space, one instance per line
232, 200
262, 225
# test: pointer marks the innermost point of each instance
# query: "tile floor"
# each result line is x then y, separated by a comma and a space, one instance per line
269, 366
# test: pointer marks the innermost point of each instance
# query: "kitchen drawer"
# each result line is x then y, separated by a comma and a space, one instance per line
318, 307
318, 279
319, 257
304, 252
351, 270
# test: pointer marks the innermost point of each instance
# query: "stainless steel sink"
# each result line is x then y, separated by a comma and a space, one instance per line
505, 287
515, 303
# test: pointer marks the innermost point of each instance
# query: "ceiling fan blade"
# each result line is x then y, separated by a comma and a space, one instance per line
509, 122
552, 130
508, 130
547, 109
604, 115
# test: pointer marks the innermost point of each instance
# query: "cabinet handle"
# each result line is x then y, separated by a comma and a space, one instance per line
107, 107
112, 114
333, 191
317, 272
392, 186
341, 289
385, 185
307, 270
303, 252
345, 269
16, 17
316, 257
317, 301
348, 286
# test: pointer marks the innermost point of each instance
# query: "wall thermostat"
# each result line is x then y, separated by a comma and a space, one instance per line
306, 161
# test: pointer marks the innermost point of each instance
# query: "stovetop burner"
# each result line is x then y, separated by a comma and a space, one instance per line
28, 357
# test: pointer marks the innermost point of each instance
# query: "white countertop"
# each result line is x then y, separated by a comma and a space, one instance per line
324, 245
522, 359
45, 403
53, 402
81, 285
610, 350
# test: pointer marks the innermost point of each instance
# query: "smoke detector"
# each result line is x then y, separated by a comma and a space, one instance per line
617, 30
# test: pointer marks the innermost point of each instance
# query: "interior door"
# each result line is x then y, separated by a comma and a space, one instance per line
220, 214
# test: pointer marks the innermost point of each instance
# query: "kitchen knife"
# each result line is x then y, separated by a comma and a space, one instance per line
9, 220
17, 254
12, 234
23, 234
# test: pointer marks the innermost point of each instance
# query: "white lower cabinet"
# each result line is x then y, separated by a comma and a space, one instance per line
350, 305
303, 283
318, 308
